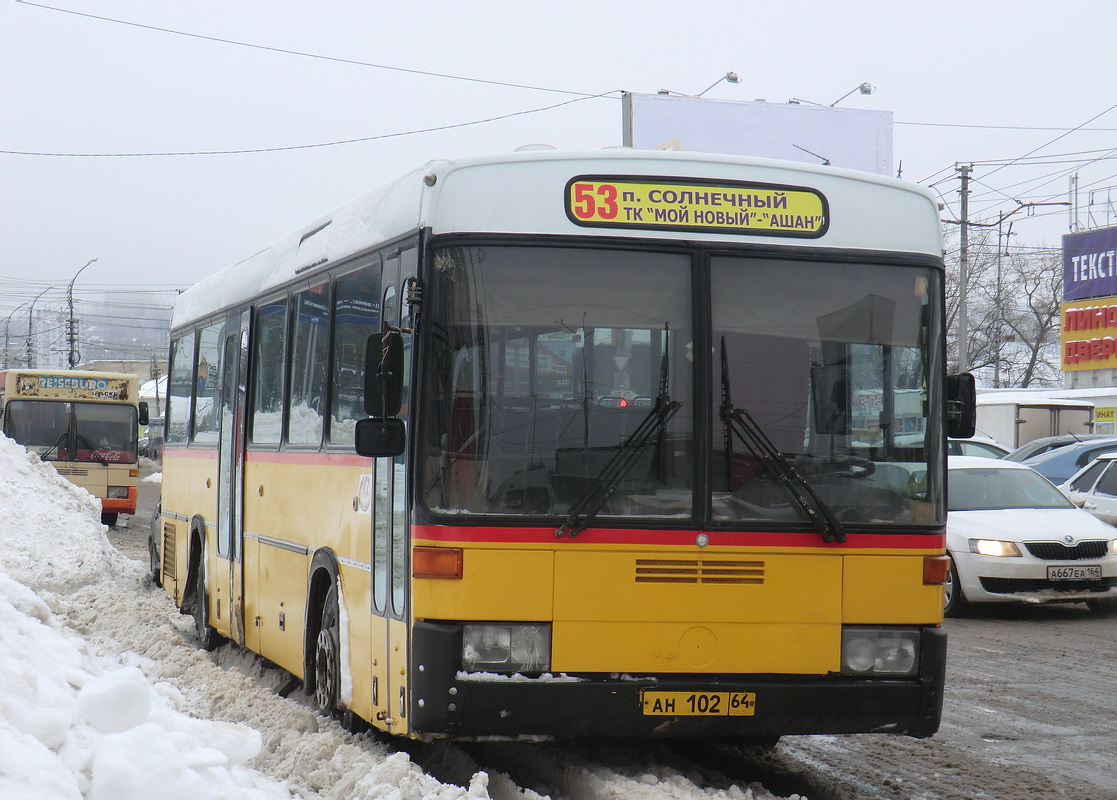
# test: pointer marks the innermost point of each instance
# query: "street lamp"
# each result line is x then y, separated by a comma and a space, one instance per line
30, 317
7, 328
72, 326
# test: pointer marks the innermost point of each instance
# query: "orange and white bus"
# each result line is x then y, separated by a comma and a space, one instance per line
556, 444
85, 423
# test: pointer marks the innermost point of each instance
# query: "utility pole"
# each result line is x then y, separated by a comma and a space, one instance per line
30, 318
963, 269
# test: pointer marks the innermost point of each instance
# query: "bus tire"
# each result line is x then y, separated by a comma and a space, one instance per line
208, 638
327, 657
109, 518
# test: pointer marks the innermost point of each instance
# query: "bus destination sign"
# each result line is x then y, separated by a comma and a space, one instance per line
71, 387
752, 209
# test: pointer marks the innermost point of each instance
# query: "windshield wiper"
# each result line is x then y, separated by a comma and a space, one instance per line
92, 450
61, 438
739, 422
611, 475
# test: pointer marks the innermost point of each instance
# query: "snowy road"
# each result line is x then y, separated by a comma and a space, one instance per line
1030, 711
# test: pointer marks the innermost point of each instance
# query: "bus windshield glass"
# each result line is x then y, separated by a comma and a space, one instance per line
550, 363
562, 380
65, 431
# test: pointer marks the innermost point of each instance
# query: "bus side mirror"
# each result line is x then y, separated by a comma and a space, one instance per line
144, 415
380, 437
961, 406
384, 374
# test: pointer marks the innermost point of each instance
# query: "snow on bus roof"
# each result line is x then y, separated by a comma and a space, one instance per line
402, 205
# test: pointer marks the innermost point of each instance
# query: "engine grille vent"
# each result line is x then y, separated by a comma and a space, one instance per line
1057, 551
169, 551
699, 570
72, 471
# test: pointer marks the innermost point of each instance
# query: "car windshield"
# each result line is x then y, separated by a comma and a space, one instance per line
994, 489
565, 382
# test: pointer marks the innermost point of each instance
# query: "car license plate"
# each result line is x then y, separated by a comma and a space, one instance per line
698, 704
1088, 572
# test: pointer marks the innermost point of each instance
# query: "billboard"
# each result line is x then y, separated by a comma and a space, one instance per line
1090, 264
1088, 334
813, 134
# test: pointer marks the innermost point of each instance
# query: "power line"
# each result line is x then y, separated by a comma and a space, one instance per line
285, 148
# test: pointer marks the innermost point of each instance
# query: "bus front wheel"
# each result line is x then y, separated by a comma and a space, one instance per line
208, 638
109, 518
327, 656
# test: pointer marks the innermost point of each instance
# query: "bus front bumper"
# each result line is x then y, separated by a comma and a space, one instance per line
448, 702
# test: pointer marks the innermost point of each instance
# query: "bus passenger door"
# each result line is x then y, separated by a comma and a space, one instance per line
391, 525
230, 480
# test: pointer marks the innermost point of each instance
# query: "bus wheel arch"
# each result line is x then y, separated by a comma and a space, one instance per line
323, 582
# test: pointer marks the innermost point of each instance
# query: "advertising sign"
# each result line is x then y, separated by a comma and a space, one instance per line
814, 134
71, 387
1090, 264
1088, 334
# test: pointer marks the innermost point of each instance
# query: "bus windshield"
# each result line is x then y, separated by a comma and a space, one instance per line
65, 431
562, 382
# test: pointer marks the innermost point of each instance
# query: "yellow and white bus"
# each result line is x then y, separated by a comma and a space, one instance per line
85, 423
556, 444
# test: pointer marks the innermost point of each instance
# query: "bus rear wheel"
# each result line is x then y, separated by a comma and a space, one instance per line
109, 518
327, 657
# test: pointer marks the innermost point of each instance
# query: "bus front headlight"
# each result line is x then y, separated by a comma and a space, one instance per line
506, 647
117, 492
880, 651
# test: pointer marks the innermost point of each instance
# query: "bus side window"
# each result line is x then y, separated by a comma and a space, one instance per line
268, 360
308, 366
207, 384
356, 317
179, 393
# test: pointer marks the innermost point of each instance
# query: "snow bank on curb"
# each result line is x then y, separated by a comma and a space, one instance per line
75, 726
51, 535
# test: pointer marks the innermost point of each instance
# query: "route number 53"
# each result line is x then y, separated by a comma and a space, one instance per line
594, 201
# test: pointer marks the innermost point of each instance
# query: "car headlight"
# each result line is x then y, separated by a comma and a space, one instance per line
117, 492
880, 651
994, 547
506, 647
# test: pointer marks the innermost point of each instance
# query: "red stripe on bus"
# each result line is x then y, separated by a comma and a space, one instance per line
512, 535
271, 457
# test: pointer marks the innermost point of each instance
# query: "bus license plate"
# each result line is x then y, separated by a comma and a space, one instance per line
1091, 572
698, 704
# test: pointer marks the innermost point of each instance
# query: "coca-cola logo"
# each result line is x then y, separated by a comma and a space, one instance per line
108, 455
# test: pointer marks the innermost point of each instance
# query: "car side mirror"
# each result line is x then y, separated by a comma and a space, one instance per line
961, 406
375, 438
384, 374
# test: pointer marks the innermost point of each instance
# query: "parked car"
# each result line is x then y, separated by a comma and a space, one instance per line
1059, 464
1045, 444
1094, 488
981, 446
1012, 537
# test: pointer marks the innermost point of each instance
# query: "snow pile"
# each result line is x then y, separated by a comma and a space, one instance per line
51, 531
72, 724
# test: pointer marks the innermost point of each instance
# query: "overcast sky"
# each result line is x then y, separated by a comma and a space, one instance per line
966, 80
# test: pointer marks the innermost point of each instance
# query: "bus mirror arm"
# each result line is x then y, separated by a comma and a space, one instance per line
961, 406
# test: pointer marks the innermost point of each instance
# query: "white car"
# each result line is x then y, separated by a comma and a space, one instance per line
1094, 488
1012, 537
